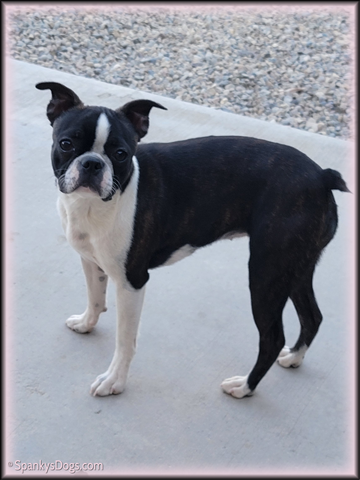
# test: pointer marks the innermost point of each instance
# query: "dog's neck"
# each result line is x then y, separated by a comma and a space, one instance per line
85, 212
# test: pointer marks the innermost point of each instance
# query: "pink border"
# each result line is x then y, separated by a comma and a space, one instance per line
351, 8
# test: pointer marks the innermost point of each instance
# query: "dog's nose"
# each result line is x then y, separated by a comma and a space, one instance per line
91, 164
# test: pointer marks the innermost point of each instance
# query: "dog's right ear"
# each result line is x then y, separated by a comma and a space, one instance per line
62, 99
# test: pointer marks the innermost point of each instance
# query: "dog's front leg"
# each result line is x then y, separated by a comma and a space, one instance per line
129, 305
96, 282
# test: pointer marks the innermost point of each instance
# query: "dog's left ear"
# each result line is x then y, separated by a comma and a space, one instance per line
138, 114
62, 99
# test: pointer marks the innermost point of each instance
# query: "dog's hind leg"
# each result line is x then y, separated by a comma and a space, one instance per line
310, 319
269, 292
96, 282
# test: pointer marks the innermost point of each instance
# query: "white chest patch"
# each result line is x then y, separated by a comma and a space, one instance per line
101, 134
101, 231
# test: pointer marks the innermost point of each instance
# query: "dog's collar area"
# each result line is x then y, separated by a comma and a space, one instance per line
122, 186
127, 179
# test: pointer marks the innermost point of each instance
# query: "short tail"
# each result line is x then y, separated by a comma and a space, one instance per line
334, 181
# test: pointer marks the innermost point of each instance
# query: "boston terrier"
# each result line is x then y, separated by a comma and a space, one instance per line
127, 208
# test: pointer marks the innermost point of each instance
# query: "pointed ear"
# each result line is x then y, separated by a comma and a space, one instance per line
62, 99
138, 114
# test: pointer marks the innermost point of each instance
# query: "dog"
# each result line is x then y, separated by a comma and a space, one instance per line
127, 208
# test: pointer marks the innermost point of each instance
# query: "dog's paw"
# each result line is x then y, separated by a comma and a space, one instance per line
107, 384
81, 323
288, 359
237, 387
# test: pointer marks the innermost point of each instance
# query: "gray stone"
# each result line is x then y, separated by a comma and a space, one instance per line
211, 58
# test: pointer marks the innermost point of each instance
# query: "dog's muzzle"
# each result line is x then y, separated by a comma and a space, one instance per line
89, 171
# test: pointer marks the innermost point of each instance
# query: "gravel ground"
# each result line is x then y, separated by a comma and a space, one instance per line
289, 66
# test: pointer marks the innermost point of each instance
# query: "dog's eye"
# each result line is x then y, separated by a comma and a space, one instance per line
66, 145
120, 155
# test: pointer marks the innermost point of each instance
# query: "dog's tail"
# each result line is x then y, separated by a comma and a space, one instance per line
334, 181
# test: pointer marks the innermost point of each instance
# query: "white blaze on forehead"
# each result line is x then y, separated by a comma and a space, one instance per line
101, 134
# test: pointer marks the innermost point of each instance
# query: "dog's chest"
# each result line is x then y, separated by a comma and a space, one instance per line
87, 230
100, 232
84, 236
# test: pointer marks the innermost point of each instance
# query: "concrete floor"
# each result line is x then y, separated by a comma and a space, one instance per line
196, 328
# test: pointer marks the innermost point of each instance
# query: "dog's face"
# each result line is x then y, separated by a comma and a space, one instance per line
92, 151
93, 146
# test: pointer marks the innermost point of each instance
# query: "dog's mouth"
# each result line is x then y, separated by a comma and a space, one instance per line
85, 187
87, 190
89, 187
88, 175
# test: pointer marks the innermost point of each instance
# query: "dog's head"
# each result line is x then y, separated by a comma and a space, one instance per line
93, 146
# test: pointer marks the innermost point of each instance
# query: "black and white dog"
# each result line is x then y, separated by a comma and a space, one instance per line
127, 208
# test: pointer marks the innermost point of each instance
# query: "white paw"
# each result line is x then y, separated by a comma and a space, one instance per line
81, 323
237, 387
108, 383
288, 359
